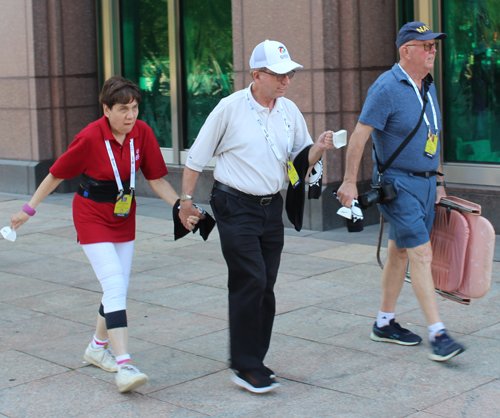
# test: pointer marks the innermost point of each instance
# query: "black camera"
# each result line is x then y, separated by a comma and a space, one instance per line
379, 194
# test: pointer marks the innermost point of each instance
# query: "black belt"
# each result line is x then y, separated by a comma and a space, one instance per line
100, 191
428, 174
262, 200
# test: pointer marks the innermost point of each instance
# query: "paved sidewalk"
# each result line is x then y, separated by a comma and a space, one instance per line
327, 294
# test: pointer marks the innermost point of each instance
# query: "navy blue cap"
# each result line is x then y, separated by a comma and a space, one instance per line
419, 31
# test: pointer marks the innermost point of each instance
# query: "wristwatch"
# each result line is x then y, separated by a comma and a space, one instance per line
441, 183
185, 197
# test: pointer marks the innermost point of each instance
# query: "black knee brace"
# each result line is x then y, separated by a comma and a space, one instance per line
101, 311
117, 319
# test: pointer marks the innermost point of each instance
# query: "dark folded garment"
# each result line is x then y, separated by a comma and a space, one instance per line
204, 225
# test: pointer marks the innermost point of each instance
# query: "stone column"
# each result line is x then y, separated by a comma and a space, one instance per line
48, 85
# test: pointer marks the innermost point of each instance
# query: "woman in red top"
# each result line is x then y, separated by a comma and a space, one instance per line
107, 153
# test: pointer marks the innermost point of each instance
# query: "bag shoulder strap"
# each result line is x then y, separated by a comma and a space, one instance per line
426, 83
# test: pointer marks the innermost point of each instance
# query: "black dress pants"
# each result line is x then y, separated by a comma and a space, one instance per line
252, 237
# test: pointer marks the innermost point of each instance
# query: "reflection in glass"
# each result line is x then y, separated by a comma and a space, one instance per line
207, 60
146, 61
470, 73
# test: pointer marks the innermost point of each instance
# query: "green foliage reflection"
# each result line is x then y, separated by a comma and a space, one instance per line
208, 60
146, 61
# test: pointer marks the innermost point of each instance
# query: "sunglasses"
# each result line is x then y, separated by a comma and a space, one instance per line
427, 46
280, 77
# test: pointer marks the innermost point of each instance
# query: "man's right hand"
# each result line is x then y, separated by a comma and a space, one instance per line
346, 193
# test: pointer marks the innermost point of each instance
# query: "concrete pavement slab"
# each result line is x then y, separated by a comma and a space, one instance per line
416, 380
367, 303
174, 326
17, 287
9, 314
190, 271
478, 403
60, 300
355, 274
314, 323
301, 265
19, 368
143, 407
42, 398
191, 297
40, 328
213, 346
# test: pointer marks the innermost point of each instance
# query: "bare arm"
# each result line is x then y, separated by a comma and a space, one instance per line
189, 179
348, 190
324, 142
47, 186
164, 190
440, 190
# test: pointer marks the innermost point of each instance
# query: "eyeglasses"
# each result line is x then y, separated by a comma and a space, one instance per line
427, 46
280, 77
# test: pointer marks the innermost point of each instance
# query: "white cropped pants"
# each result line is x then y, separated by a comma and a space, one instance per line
112, 263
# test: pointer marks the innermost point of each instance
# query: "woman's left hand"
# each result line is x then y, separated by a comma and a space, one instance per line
192, 221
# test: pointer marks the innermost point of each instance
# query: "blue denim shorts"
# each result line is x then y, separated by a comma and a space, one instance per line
412, 213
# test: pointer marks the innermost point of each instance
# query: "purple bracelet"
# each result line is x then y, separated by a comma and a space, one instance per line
29, 210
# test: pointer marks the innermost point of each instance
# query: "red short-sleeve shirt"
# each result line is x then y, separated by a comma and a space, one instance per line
94, 222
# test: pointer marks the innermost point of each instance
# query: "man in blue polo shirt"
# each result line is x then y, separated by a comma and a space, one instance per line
391, 112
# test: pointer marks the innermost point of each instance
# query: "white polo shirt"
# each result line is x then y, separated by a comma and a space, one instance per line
245, 160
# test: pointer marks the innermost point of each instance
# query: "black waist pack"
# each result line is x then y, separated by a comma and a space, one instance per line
100, 191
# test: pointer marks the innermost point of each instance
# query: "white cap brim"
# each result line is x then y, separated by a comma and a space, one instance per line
284, 67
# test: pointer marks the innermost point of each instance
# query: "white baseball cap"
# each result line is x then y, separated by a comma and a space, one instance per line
274, 56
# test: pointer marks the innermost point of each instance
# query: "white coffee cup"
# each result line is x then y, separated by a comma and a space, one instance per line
340, 138
8, 233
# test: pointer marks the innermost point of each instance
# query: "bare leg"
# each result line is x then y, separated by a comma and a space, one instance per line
119, 340
393, 276
421, 280
101, 331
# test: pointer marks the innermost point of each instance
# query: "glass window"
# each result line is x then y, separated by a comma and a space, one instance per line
146, 61
207, 45
406, 12
471, 70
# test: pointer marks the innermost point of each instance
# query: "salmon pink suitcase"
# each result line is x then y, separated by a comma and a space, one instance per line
463, 244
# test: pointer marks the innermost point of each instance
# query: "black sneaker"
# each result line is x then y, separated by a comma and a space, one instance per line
394, 333
268, 372
444, 347
254, 381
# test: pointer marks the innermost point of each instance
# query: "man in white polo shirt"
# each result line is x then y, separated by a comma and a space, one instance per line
255, 134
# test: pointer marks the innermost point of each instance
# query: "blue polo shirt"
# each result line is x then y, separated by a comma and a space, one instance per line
392, 108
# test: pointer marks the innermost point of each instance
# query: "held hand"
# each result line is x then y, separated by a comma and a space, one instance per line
325, 140
192, 221
18, 219
346, 192
187, 210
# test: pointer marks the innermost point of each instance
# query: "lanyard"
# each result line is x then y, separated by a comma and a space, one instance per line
115, 167
417, 92
264, 130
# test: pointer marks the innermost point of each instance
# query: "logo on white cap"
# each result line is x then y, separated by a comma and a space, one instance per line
274, 56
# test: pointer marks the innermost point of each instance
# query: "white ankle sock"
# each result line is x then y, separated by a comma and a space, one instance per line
434, 329
121, 360
383, 318
97, 343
